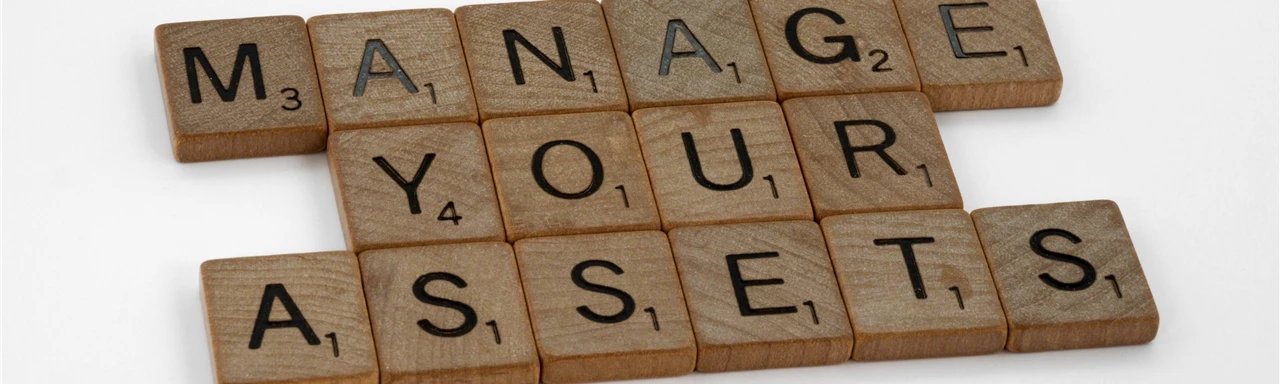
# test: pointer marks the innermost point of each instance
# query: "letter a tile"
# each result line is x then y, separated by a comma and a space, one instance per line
1068, 276
240, 88
761, 295
417, 185
871, 153
449, 314
722, 163
385, 69
288, 319
540, 58
916, 285
981, 54
606, 307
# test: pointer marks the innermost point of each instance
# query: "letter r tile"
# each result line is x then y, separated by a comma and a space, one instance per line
761, 295
1068, 276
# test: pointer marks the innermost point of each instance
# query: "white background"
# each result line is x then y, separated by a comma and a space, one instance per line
1169, 108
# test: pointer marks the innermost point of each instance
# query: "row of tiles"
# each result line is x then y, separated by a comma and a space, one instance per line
280, 84
716, 298
658, 169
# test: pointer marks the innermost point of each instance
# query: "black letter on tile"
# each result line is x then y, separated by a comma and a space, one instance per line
597, 170
227, 93
953, 32
468, 314
848, 49
909, 255
879, 149
366, 68
628, 304
1037, 246
677, 25
564, 68
263, 322
740, 286
410, 187
695, 163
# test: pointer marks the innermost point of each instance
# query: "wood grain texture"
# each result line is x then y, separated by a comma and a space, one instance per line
917, 174
651, 337
723, 28
422, 43
993, 74
810, 326
324, 288
244, 123
490, 289
877, 60
773, 190
618, 199
1114, 308
953, 310
377, 212
544, 91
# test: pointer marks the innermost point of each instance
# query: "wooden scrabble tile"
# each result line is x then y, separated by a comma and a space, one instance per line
831, 47
714, 164
871, 153
540, 58
977, 55
606, 307
570, 174
449, 314
288, 318
688, 52
416, 185
396, 68
240, 88
916, 285
1068, 276
761, 295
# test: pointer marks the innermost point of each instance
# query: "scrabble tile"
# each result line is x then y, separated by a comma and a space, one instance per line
977, 55
871, 153
240, 88
540, 58
688, 52
761, 295
288, 318
449, 314
416, 185
1068, 276
384, 69
606, 307
712, 164
916, 285
831, 47
570, 174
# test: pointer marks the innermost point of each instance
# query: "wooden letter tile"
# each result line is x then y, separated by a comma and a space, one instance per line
395, 68
288, 318
449, 314
1068, 276
688, 52
540, 58
871, 153
916, 285
761, 295
417, 185
830, 47
981, 54
606, 307
570, 174
713, 164
240, 88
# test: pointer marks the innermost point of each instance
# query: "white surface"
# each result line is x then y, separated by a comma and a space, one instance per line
1169, 108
